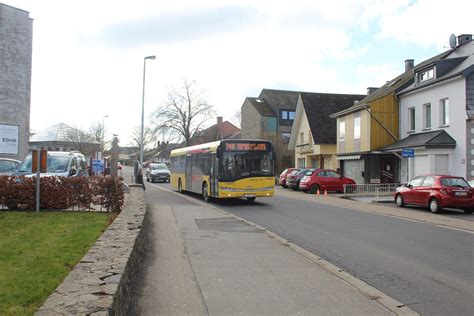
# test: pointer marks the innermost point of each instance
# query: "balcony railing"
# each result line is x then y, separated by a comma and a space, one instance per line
305, 148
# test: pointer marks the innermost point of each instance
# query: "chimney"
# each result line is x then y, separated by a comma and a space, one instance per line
464, 38
371, 90
219, 127
409, 64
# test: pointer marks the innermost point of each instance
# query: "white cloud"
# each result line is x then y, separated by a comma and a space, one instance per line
88, 55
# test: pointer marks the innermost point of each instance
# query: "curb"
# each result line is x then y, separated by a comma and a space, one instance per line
372, 293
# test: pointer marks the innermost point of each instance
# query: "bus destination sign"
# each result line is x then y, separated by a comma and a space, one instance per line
246, 147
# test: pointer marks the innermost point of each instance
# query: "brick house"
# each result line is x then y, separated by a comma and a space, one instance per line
220, 130
270, 116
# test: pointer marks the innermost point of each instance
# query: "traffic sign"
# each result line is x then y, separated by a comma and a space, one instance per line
408, 152
97, 165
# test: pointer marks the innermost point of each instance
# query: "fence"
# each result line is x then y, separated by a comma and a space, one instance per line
380, 192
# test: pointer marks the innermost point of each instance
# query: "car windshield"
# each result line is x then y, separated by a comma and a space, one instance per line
454, 182
56, 164
158, 167
237, 165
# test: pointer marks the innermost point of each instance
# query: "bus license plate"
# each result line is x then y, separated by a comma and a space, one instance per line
249, 195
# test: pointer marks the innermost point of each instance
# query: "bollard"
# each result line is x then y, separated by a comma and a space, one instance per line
325, 192
317, 192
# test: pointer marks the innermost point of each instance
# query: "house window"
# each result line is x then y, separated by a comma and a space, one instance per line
411, 118
444, 112
342, 130
357, 127
426, 75
301, 163
427, 116
269, 125
301, 137
287, 117
285, 137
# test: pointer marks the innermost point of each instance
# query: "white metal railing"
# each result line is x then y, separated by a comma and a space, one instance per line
382, 191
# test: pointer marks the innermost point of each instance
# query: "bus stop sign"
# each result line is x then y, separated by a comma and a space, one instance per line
408, 152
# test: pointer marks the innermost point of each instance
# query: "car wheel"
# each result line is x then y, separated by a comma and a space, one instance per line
468, 210
296, 187
399, 200
251, 199
284, 186
180, 187
205, 193
434, 206
314, 188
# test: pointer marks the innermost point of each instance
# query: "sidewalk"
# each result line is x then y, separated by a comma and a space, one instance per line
203, 261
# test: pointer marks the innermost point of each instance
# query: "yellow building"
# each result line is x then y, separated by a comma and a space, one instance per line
313, 135
366, 127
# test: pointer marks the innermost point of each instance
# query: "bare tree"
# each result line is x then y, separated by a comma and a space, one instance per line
149, 138
236, 118
185, 112
97, 133
80, 140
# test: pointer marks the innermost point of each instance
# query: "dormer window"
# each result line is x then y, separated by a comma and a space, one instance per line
426, 75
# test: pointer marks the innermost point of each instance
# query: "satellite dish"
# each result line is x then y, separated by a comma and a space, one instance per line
452, 41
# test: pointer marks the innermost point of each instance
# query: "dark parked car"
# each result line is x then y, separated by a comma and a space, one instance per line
157, 171
436, 192
282, 178
294, 178
324, 180
8, 166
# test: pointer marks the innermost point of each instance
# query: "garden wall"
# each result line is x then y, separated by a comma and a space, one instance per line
100, 284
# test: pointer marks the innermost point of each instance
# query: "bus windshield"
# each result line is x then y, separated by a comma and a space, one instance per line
237, 165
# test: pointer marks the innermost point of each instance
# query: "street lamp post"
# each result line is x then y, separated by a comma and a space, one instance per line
143, 110
103, 134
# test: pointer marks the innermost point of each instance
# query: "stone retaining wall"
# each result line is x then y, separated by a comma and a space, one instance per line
100, 284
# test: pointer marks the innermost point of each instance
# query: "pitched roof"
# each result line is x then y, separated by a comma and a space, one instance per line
261, 106
452, 63
432, 139
392, 86
58, 133
318, 107
280, 98
228, 130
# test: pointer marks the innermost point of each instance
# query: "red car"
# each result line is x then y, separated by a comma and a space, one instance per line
436, 192
322, 179
282, 178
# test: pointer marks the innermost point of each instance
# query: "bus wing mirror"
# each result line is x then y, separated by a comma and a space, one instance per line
273, 155
219, 152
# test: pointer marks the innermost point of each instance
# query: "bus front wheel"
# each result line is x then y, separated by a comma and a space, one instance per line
205, 192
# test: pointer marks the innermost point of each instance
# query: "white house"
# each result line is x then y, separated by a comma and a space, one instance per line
436, 115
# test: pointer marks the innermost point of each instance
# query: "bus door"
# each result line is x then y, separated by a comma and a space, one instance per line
214, 173
188, 173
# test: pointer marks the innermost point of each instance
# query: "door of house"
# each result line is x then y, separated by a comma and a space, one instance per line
387, 170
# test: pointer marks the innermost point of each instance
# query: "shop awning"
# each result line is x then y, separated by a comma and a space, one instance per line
349, 157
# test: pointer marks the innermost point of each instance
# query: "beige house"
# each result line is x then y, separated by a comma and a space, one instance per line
313, 135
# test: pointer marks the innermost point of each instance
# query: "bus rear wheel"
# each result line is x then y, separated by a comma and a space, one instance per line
205, 192
180, 186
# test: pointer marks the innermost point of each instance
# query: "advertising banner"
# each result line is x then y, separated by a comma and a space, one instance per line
8, 139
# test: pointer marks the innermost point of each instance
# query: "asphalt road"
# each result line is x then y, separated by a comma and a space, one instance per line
427, 267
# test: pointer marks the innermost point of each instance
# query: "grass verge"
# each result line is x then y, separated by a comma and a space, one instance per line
38, 250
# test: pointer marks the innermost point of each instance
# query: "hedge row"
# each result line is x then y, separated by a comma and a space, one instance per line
61, 193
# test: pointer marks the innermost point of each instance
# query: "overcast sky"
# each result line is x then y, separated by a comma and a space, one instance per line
88, 55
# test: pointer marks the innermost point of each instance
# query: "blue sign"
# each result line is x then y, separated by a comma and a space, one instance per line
97, 165
408, 152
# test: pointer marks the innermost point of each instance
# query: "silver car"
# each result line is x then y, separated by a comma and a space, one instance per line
8, 166
157, 171
59, 163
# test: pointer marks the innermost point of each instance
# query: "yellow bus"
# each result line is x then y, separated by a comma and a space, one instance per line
225, 169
